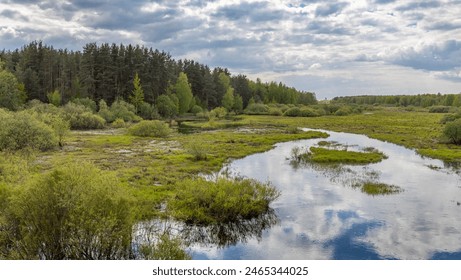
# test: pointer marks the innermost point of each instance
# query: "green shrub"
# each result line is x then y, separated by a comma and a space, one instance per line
86, 120
196, 109
147, 111
105, 112
439, 109
293, 112
119, 123
275, 112
124, 110
308, 112
86, 102
23, 130
197, 150
73, 212
343, 111
167, 107
226, 200
452, 131
218, 113
150, 129
257, 109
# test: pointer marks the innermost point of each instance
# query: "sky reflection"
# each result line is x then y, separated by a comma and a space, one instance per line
322, 217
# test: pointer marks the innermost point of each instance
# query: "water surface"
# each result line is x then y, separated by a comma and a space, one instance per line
321, 216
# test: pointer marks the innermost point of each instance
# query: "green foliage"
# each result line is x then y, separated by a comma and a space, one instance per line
11, 97
199, 201
452, 131
238, 103
137, 95
147, 111
118, 123
374, 188
166, 248
196, 109
343, 111
87, 102
167, 107
275, 112
124, 110
184, 93
228, 99
81, 117
257, 109
75, 211
198, 150
439, 109
54, 98
105, 112
150, 129
23, 130
218, 113
322, 155
293, 112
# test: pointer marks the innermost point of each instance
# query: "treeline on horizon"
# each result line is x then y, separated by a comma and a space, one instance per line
420, 100
107, 72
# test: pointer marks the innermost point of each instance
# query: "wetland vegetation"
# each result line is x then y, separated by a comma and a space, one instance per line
93, 160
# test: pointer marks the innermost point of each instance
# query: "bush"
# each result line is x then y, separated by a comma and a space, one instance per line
225, 200
196, 109
147, 111
439, 109
275, 112
293, 112
24, 131
343, 111
452, 131
86, 102
166, 106
73, 212
197, 150
218, 113
308, 112
257, 109
118, 123
150, 129
87, 120
81, 117
124, 110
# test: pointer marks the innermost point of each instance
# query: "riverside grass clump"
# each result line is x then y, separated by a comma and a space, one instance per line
375, 188
202, 202
322, 155
327, 156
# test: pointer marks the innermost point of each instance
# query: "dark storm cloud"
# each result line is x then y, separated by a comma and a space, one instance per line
330, 9
443, 57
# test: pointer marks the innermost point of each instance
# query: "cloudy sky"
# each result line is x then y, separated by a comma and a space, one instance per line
333, 48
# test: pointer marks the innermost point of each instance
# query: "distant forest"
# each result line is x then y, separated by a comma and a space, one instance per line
420, 100
108, 71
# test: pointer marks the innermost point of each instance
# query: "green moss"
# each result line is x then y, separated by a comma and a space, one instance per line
322, 155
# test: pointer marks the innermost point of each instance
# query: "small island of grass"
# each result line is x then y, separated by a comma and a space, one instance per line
323, 155
373, 188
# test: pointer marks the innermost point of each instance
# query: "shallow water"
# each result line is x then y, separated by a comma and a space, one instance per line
321, 216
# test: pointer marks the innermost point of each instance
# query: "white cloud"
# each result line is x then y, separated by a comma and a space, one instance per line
286, 38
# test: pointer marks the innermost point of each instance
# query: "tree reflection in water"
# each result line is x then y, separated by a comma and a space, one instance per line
228, 234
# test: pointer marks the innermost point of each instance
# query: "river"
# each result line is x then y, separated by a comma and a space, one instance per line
320, 215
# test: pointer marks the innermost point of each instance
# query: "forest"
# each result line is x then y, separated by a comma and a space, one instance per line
108, 71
